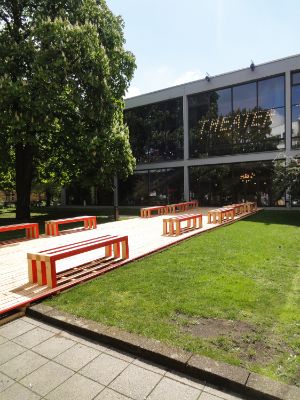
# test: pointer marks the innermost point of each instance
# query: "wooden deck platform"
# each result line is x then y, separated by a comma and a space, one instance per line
145, 237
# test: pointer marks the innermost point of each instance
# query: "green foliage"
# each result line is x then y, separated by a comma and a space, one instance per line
63, 75
286, 177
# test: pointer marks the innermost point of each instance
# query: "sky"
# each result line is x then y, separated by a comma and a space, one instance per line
178, 41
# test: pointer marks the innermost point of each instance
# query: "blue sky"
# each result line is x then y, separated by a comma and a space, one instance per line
177, 41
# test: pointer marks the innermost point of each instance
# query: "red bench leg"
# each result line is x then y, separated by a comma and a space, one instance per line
116, 250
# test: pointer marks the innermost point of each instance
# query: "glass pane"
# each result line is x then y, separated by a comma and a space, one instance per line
139, 124
222, 101
296, 95
244, 97
218, 185
135, 190
199, 106
296, 121
296, 78
271, 93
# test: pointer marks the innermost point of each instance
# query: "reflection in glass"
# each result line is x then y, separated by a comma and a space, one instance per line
244, 97
156, 131
219, 130
296, 95
152, 187
222, 102
218, 185
296, 78
271, 93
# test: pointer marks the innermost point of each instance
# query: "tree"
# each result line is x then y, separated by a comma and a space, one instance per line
286, 177
63, 75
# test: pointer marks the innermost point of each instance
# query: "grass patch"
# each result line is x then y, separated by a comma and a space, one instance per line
42, 214
231, 294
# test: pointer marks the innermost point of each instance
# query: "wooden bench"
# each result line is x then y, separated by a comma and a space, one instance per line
238, 208
181, 207
173, 225
250, 206
147, 212
42, 265
32, 229
220, 215
51, 227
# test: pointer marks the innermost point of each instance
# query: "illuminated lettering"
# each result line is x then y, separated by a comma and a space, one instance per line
214, 124
225, 124
246, 119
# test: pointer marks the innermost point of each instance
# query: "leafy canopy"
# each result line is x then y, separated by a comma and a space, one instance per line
63, 75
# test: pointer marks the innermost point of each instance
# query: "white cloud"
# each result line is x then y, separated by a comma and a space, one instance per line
132, 91
188, 76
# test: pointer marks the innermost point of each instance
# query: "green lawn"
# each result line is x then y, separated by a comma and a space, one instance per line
42, 214
232, 294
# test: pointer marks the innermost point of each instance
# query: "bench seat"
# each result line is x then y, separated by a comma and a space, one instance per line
31, 228
174, 225
42, 264
52, 227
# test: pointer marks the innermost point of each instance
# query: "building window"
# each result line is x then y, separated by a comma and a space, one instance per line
152, 187
156, 131
243, 119
296, 110
218, 185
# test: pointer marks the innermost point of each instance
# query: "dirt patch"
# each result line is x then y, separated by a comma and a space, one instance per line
210, 328
246, 341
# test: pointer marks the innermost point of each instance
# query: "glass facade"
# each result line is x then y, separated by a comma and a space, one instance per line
241, 119
156, 131
222, 184
296, 110
152, 187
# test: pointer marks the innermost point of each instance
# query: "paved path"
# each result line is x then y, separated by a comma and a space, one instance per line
38, 361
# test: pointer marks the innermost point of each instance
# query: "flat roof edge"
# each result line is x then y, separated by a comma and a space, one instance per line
213, 76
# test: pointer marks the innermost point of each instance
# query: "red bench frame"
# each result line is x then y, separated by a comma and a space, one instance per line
51, 227
220, 215
172, 226
146, 212
32, 229
184, 206
42, 265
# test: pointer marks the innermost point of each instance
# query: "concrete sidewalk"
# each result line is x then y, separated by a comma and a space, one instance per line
38, 361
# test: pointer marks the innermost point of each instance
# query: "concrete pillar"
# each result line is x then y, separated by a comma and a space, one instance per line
186, 147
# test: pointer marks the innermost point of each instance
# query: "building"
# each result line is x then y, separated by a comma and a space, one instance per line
218, 139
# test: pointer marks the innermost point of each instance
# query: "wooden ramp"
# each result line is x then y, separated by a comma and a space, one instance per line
144, 235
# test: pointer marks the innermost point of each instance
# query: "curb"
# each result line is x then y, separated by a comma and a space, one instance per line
224, 375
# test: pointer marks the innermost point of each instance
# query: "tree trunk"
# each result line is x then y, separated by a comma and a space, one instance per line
24, 168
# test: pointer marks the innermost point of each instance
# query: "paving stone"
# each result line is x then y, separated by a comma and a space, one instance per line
104, 368
77, 356
3, 339
187, 380
208, 396
9, 350
15, 328
150, 366
53, 346
34, 337
77, 387
49, 327
47, 378
135, 382
120, 354
108, 394
168, 389
31, 320
23, 364
223, 395
19, 392
92, 343
5, 381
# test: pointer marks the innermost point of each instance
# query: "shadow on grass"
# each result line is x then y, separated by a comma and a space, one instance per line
277, 217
